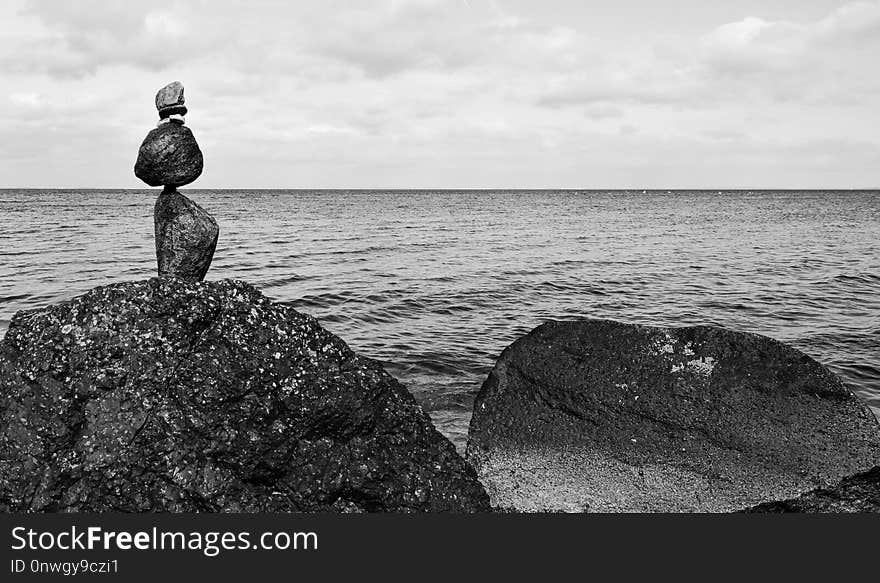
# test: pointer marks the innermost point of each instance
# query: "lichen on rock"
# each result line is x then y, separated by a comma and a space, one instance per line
169, 395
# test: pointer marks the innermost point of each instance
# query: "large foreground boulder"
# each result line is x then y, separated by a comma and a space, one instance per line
597, 415
167, 395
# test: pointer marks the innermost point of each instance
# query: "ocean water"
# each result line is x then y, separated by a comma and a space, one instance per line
435, 284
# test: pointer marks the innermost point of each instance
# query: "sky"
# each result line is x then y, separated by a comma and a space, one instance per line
448, 93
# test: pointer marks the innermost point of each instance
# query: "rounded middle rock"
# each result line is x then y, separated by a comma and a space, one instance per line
169, 156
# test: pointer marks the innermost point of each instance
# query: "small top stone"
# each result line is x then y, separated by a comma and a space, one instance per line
170, 101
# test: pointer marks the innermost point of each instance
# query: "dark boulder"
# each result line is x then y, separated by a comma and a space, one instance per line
186, 237
859, 493
596, 415
169, 156
167, 395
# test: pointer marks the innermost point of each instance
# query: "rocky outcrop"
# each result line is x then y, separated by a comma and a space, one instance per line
601, 416
169, 156
167, 395
186, 237
859, 493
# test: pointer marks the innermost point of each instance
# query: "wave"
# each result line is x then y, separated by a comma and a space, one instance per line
438, 284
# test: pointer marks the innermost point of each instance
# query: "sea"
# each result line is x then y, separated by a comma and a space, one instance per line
435, 284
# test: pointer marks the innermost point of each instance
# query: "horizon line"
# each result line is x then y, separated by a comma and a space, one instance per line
468, 188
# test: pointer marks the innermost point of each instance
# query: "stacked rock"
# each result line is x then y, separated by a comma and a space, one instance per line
186, 235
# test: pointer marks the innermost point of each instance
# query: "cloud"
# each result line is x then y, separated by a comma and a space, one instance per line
76, 39
336, 92
330, 40
594, 92
750, 59
754, 46
385, 38
753, 43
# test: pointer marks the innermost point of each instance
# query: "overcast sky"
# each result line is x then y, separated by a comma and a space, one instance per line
455, 93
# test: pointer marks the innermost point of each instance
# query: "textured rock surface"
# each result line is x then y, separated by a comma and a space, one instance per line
603, 416
186, 236
859, 493
164, 395
170, 100
169, 156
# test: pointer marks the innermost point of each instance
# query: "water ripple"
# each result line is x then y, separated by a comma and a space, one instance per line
435, 284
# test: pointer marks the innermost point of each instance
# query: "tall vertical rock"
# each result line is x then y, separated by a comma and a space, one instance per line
186, 236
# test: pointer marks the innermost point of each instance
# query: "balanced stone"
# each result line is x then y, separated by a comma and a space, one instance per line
595, 415
186, 236
169, 100
169, 156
